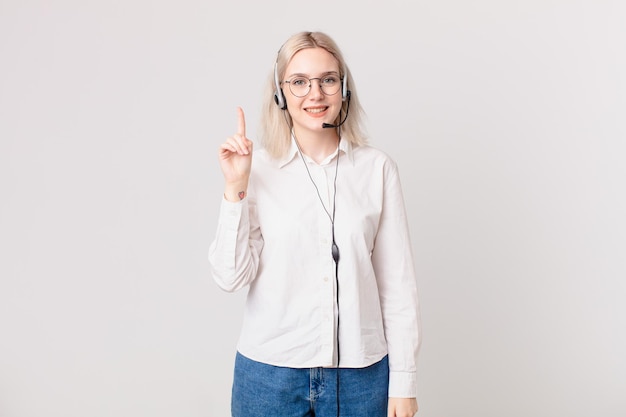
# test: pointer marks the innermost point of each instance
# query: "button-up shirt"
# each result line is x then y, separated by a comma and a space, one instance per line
277, 241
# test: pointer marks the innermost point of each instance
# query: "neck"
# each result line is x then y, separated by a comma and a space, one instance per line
315, 145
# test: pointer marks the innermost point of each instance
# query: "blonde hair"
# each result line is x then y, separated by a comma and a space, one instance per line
275, 125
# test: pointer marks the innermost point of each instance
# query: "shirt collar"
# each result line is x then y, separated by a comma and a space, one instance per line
344, 146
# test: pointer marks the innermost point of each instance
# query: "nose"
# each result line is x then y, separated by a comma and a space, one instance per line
316, 87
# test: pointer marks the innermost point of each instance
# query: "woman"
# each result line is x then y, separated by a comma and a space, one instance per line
316, 229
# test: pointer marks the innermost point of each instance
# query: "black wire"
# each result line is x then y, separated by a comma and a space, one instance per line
332, 219
338, 354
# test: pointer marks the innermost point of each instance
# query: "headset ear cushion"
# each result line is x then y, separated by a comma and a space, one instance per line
279, 99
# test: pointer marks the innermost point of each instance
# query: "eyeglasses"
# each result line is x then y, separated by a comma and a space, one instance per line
301, 86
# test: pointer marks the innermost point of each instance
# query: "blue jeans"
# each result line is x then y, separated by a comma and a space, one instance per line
261, 390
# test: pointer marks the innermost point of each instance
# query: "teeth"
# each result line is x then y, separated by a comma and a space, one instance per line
315, 110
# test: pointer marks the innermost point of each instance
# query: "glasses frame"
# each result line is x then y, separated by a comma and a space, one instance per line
319, 79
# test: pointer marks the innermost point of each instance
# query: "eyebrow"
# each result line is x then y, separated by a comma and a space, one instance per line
300, 74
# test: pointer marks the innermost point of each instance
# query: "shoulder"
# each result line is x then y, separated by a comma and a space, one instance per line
261, 154
262, 159
372, 156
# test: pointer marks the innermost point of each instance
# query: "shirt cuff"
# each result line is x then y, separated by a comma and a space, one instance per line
402, 384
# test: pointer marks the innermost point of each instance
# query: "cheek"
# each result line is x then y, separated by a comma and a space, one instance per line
293, 102
337, 103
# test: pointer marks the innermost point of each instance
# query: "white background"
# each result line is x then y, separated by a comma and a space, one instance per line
507, 119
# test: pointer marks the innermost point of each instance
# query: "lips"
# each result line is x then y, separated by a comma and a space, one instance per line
316, 110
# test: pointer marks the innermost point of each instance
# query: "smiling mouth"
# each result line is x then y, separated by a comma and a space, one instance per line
317, 110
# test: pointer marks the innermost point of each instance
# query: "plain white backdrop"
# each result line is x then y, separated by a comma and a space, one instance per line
507, 119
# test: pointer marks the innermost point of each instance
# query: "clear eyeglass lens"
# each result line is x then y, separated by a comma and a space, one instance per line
300, 86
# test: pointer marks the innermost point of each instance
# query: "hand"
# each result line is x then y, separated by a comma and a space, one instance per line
235, 157
402, 407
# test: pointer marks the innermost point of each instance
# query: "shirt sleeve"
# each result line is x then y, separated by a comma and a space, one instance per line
393, 263
234, 253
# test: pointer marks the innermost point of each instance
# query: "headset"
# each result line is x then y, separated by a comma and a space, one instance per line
279, 97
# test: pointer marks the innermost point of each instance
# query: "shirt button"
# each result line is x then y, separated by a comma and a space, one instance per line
325, 279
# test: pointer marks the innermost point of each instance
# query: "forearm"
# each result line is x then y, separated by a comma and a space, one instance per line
236, 191
234, 253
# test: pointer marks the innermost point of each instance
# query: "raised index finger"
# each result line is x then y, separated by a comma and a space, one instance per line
241, 124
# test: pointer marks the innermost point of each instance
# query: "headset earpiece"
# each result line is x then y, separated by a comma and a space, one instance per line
279, 98
345, 93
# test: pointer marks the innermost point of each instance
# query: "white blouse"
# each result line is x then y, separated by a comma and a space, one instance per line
277, 241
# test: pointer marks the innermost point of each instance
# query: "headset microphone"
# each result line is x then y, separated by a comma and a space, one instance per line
327, 125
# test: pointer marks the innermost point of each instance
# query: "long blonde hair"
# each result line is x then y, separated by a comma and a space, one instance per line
275, 125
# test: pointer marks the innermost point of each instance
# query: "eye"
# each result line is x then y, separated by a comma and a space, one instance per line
300, 82
330, 80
